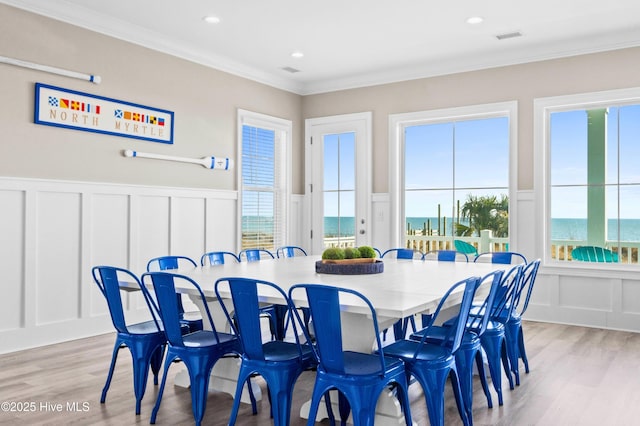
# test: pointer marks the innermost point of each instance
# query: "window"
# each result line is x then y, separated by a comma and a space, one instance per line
452, 170
592, 169
264, 181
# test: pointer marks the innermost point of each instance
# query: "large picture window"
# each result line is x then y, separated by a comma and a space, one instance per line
592, 170
454, 174
263, 180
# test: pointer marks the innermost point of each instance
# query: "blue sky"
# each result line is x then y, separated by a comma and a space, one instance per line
481, 152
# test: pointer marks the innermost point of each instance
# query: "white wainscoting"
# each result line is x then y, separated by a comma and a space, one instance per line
54, 232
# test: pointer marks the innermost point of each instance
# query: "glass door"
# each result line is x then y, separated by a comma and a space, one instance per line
338, 164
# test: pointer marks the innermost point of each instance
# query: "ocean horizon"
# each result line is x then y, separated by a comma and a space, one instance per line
567, 229
561, 228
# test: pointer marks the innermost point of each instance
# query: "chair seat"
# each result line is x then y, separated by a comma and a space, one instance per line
207, 338
279, 351
147, 327
437, 356
440, 334
361, 364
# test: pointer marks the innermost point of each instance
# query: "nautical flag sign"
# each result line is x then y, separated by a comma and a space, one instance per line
59, 107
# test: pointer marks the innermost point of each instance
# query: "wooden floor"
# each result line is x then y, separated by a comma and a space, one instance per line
579, 376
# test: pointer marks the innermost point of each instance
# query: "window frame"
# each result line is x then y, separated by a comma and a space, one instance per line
283, 129
543, 108
397, 124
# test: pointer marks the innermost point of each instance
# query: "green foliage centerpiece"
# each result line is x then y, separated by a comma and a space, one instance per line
349, 261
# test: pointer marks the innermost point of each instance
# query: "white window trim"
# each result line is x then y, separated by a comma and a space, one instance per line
285, 127
397, 122
542, 109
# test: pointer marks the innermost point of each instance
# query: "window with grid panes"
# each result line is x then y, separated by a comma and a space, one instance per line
263, 185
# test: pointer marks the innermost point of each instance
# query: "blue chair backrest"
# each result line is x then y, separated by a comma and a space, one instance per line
501, 257
493, 280
461, 323
290, 251
593, 254
217, 258
446, 256
165, 263
108, 278
254, 255
164, 285
505, 300
529, 274
324, 305
403, 253
246, 314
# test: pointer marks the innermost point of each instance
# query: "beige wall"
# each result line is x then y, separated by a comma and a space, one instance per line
204, 101
523, 83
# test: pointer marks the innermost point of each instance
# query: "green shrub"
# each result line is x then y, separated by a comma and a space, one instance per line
351, 253
333, 253
366, 251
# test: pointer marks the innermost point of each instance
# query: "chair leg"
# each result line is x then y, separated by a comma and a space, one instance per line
522, 351
464, 365
512, 329
506, 364
433, 383
492, 346
116, 348
156, 407
483, 378
467, 418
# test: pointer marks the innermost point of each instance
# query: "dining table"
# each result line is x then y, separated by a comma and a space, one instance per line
404, 288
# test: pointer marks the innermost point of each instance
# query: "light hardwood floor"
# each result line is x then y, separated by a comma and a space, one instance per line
579, 376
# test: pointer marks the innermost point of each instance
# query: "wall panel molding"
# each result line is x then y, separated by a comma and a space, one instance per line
54, 232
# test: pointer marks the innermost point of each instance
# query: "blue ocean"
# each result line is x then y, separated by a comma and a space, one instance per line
561, 229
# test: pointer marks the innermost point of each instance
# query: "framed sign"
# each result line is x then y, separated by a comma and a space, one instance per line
59, 107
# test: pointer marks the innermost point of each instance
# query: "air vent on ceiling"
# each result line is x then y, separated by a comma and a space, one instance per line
290, 69
509, 35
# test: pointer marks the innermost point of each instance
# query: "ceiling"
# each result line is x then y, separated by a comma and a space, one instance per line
355, 43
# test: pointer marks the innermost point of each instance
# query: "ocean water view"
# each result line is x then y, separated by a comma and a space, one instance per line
561, 229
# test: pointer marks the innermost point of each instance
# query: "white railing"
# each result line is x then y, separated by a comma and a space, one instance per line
560, 249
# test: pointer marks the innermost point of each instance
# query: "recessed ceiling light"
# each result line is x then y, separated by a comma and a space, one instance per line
297, 54
211, 19
475, 20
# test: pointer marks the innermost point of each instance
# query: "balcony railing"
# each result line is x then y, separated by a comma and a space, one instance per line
560, 249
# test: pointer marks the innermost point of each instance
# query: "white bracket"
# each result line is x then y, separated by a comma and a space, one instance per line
214, 163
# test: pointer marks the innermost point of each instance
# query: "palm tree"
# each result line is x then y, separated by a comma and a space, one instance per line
485, 212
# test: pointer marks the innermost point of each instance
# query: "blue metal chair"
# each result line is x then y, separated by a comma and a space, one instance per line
166, 263
274, 312
146, 340
199, 350
278, 362
431, 364
254, 255
513, 321
493, 339
501, 257
470, 346
213, 258
290, 251
446, 256
400, 327
593, 254
402, 253
359, 377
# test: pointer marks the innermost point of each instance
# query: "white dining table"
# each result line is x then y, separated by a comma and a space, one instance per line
404, 288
